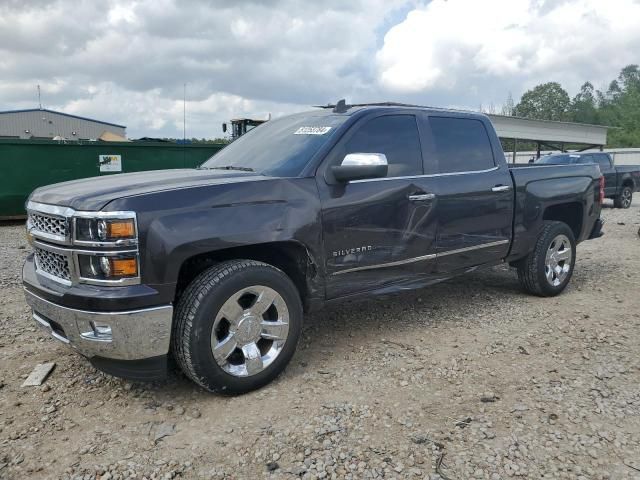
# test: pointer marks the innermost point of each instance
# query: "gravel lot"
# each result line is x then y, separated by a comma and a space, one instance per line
467, 379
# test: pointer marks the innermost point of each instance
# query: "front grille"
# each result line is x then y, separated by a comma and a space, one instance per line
49, 224
53, 263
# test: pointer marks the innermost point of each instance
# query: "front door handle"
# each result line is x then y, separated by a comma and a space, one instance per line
501, 188
421, 197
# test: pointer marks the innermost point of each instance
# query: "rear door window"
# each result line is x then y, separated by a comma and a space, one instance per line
461, 144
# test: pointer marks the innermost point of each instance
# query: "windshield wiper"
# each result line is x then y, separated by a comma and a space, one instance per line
232, 167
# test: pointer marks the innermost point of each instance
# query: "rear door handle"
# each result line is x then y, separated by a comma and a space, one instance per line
501, 188
421, 197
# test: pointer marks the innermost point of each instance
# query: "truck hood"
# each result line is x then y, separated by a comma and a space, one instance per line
94, 193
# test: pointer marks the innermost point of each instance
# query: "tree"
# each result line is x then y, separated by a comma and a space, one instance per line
584, 106
548, 101
508, 108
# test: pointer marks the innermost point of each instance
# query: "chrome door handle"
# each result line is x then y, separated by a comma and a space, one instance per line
422, 196
501, 188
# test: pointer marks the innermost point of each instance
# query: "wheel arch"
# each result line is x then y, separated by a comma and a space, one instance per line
571, 213
628, 182
290, 256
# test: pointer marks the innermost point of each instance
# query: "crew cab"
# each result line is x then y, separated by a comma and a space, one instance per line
620, 181
216, 265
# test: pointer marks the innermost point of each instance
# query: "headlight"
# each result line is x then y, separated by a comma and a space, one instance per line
105, 229
110, 268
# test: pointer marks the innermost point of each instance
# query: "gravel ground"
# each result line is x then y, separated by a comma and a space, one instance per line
471, 378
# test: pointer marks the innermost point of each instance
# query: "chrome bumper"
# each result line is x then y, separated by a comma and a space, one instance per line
131, 335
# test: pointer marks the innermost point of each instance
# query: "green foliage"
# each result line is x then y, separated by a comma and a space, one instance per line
584, 108
548, 101
618, 107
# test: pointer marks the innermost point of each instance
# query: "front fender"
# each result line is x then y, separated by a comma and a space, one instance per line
176, 225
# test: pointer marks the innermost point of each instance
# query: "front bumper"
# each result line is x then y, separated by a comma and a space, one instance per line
121, 336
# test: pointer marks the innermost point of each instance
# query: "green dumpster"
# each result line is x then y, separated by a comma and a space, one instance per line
28, 164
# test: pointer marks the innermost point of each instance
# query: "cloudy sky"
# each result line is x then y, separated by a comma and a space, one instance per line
127, 61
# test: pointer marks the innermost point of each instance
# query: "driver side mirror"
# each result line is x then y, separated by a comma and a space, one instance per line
224, 128
360, 166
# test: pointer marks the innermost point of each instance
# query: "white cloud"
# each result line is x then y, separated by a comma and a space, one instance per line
126, 61
458, 44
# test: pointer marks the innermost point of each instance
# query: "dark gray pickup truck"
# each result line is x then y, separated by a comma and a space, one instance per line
216, 265
620, 181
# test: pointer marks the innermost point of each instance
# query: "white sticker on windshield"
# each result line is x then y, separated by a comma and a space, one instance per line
312, 130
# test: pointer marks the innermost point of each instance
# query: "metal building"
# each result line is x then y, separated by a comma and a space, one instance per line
48, 124
548, 134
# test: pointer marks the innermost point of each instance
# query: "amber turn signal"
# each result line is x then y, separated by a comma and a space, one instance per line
120, 229
124, 267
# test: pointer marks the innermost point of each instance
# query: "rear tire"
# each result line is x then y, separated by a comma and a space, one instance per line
624, 199
236, 326
547, 270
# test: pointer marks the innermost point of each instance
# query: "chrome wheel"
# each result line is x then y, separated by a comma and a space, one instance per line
625, 199
558, 260
250, 330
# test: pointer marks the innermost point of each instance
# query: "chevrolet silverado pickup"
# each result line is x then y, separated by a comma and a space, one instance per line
620, 181
215, 266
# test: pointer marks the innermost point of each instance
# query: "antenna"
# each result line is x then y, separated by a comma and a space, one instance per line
341, 106
39, 99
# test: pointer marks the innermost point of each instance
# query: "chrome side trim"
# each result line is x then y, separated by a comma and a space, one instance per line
422, 258
425, 176
422, 196
390, 264
475, 247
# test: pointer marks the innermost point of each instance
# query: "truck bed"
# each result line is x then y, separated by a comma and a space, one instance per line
537, 189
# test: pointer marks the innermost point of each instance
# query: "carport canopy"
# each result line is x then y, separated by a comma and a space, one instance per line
551, 134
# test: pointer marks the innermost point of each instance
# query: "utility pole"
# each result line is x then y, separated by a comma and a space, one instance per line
39, 99
184, 114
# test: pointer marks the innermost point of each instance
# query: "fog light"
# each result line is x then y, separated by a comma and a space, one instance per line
101, 329
99, 332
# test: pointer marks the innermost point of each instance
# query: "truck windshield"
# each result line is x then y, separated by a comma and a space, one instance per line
559, 159
280, 147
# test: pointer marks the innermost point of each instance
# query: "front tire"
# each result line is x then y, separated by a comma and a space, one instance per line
237, 326
624, 199
547, 270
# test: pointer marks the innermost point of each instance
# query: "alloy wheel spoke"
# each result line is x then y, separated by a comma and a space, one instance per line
263, 302
564, 255
252, 358
549, 274
224, 348
231, 310
274, 330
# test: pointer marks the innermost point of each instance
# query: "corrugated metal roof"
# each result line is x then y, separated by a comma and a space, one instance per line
62, 113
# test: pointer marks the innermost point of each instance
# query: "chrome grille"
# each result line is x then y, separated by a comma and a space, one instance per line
48, 224
53, 264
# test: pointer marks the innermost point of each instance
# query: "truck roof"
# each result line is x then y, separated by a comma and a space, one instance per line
342, 107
